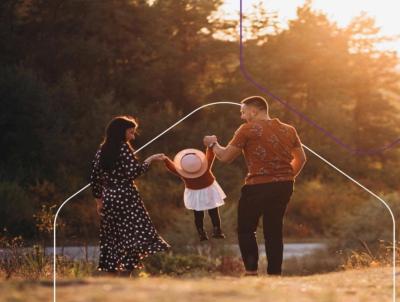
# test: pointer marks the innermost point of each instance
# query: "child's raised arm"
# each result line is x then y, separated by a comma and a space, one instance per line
169, 164
210, 156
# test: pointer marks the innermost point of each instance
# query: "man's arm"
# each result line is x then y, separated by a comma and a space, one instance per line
299, 159
226, 154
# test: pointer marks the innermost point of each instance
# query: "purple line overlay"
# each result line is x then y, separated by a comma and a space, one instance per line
338, 141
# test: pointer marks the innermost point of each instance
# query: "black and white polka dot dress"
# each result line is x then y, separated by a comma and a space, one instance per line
127, 234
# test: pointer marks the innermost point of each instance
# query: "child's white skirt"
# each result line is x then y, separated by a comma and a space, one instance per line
204, 199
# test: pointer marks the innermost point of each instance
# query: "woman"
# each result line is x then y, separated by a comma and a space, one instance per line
127, 234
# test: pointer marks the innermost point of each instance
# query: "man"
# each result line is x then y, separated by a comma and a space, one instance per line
274, 157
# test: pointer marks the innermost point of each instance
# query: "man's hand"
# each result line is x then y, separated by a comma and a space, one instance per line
299, 159
209, 139
224, 154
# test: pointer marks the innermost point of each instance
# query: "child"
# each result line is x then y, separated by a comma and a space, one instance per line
202, 192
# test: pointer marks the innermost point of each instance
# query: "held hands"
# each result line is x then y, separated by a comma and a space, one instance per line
209, 139
163, 156
155, 157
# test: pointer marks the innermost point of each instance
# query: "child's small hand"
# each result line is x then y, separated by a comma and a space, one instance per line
209, 139
157, 157
163, 156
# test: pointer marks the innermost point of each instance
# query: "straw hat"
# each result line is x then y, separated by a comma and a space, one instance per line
190, 163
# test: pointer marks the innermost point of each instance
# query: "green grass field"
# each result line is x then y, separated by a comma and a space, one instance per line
366, 285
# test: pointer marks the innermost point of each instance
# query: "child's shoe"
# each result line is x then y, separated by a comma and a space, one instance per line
217, 233
202, 234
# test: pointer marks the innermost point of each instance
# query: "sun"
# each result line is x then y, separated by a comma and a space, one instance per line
342, 12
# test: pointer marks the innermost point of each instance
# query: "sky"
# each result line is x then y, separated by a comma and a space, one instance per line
385, 13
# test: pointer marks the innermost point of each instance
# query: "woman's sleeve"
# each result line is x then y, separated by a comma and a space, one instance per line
170, 166
133, 168
95, 177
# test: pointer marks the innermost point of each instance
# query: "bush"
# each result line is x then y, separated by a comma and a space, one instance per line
170, 264
316, 206
368, 224
383, 256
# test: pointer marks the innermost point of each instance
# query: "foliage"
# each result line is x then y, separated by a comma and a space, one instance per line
177, 264
383, 256
368, 224
16, 209
68, 67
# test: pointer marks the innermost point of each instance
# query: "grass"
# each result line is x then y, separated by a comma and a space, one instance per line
367, 285
207, 274
207, 259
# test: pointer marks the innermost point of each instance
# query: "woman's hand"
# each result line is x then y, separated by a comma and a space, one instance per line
157, 157
99, 206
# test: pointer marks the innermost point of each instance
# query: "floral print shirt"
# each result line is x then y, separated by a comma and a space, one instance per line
267, 147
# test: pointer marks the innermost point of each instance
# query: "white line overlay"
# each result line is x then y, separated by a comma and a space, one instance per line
180, 121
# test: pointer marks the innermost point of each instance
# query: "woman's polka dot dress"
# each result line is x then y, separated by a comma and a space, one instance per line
127, 234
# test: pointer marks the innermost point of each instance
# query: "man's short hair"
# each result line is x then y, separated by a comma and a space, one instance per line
256, 101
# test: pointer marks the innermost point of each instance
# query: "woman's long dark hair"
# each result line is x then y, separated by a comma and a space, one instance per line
114, 138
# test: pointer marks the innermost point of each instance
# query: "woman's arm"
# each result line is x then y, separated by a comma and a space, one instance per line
95, 181
95, 177
133, 168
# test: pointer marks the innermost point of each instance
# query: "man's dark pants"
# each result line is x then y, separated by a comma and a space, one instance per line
268, 200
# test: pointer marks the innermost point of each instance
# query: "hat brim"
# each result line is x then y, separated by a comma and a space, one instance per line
177, 162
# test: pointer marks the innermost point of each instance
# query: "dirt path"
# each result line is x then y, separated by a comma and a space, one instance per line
366, 285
